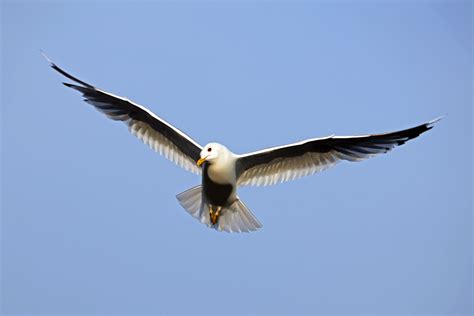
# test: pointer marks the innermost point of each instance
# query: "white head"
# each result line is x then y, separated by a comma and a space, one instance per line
212, 152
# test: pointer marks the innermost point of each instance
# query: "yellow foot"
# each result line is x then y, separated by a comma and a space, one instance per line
211, 214
214, 215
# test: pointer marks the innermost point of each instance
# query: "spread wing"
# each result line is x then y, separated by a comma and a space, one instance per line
284, 163
155, 132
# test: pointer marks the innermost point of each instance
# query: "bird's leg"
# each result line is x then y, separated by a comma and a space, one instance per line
211, 215
214, 215
218, 212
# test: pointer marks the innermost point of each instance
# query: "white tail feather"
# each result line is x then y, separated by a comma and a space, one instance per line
190, 200
234, 218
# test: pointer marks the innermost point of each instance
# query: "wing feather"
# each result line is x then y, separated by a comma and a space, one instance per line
155, 132
284, 163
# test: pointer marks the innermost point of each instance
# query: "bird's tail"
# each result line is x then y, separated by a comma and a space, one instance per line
234, 218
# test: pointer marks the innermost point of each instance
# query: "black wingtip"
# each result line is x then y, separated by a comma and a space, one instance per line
76, 87
46, 57
64, 73
432, 122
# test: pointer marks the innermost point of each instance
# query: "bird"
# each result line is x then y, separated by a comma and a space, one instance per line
215, 202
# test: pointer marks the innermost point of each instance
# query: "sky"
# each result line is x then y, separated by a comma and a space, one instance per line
89, 219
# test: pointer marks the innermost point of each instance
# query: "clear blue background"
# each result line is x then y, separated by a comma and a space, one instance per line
90, 223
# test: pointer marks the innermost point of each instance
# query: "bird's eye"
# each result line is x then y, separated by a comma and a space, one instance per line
209, 149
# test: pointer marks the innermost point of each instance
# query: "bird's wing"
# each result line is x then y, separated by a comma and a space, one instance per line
284, 163
155, 132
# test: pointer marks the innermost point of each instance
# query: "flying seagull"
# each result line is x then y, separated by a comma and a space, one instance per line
215, 202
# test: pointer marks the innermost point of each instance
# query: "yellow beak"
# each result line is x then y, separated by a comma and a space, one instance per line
201, 161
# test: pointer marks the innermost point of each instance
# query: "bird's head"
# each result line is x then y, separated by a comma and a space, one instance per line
211, 153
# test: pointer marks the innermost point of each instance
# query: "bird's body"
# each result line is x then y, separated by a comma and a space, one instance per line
215, 202
218, 193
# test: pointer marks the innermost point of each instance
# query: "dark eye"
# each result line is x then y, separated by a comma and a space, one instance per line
209, 149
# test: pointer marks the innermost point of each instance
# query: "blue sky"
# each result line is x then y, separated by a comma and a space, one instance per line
90, 223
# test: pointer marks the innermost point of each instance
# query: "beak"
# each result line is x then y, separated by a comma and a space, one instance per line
201, 161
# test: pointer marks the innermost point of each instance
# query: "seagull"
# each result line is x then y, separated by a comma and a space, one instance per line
215, 202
